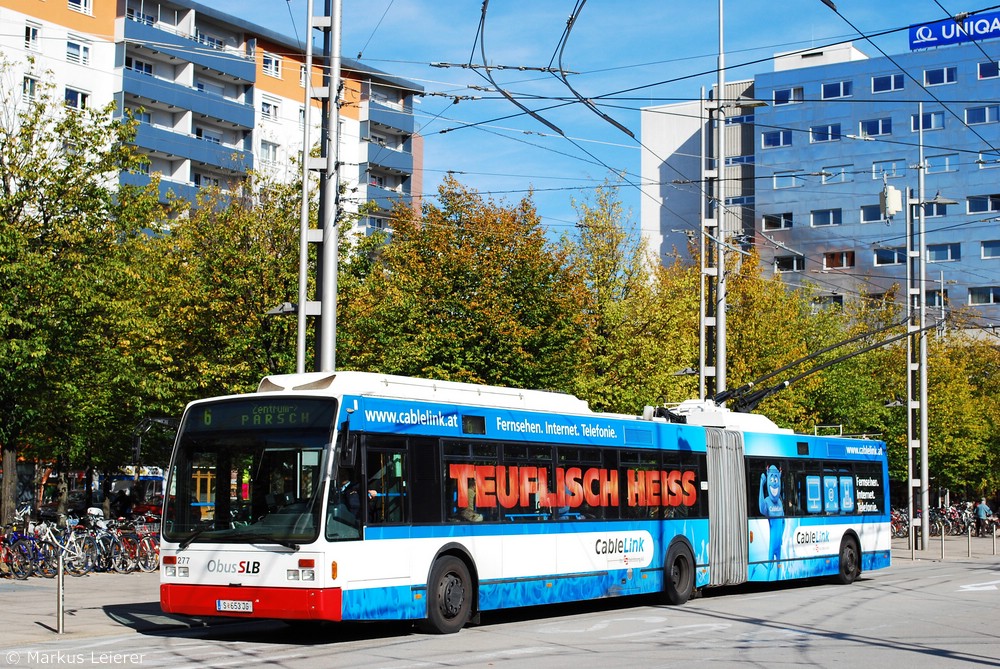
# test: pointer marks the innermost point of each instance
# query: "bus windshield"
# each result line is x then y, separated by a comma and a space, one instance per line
249, 471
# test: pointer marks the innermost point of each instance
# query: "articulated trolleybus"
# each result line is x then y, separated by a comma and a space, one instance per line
354, 496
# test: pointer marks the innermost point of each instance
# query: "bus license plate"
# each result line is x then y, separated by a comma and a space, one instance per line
238, 605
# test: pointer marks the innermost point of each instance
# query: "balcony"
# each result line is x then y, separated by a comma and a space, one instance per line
384, 198
390, 116
390, 160
188, 49
183, 190
169, 143
177, 95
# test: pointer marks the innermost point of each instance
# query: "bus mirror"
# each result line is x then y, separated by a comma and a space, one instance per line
347, 445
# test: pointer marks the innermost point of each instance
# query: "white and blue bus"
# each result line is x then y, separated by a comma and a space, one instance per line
355, 496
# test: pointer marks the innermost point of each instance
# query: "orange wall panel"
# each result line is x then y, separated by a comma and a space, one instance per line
100, 24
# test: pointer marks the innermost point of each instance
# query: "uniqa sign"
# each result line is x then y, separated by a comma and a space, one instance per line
950, 31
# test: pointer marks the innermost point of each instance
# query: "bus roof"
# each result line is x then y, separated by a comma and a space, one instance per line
404, 387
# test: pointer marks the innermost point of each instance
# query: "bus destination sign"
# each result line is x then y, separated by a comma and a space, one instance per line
264, 414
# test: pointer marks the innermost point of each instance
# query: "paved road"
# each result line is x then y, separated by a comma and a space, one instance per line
921, 613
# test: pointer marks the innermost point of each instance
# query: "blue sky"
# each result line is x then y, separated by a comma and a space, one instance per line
644, 52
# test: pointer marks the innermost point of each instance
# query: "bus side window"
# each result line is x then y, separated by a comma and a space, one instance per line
387, 473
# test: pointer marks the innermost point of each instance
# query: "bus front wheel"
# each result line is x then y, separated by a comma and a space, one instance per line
679, 574
850, 561
449, 596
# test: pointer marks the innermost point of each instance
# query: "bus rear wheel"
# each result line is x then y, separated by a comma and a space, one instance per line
679, 574
850, 561
449, 596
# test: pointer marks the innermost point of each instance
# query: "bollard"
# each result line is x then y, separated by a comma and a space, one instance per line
970, 540
60, 609
942, 540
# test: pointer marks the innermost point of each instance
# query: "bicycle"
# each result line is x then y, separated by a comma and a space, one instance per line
78, 550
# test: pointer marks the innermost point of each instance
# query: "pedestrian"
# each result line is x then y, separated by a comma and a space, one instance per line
982, 513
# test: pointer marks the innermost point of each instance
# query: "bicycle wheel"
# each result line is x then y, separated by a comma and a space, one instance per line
20, 559
123, 554
149, 554
105, 544
45, 558
80, 555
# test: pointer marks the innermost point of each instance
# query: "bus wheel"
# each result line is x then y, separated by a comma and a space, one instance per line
679, 574
449, 596
850, 561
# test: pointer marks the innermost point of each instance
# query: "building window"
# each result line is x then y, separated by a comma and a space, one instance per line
935, 209
140, 66
787, 96
781, 221
740, 160
137, 16
929, 121
210, 87
876, 126
213, 136
944, 252
871, 213
947, 162
829, 132
269, 110
889, 169
376, 180
76, 99
887, 83
302, 75
269, 152
990, 249
789, 263
29, 89
272, 65
210, 40
825, 217
987, 114
31, 35
776, 138
77, 52
204, 180
838, 260
836, 89
893, 256
827, 302
82, 6
983, 204
940, 75
787, 180
935, 298
984, 295
990, 70
837, 174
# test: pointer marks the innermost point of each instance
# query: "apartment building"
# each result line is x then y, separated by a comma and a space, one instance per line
216, 96
830, 129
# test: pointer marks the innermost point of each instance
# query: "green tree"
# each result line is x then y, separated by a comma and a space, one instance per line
470, 290
210, 282
65, 235
641, 319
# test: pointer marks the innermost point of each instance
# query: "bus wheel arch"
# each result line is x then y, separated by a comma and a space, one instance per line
452, 591
678, 572
849, 559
